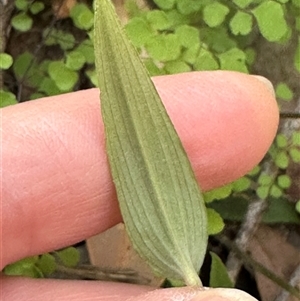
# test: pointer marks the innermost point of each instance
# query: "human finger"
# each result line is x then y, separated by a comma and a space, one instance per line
56, 185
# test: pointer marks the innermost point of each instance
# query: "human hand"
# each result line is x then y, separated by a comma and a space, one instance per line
56, 185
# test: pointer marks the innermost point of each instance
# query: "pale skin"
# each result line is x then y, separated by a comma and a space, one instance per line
56, 185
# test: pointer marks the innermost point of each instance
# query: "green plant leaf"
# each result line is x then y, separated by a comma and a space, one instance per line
241, 184
284, 92
21, 4
87, 50
22, 22
242, 3
164, 47
282, 160
47, 264
6, 60
58, 71
215, 223
187, 7
297, 57
179, 66
7, 99
190, 55
139, 31
271, 22
218, 274
296, 138
165, 4
241, 23
75, 60
158, 19
233, 59
205, 61
297, 207
24, 267
281, 141
280, 210
69, 256
265, 179
218, 193
49, 87
284, 181
160, 200
36, 7
295, 154
214, 14
82, 16
263, 191
188, 35
275, 191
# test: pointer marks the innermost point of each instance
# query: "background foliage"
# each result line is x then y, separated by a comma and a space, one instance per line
172, 36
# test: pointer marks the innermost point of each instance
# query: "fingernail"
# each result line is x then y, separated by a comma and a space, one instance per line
266, 82
222, 294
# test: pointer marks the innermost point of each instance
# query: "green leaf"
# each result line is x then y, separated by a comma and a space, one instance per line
262, 192
241, 184
233, 59
242, 3
66, 40
232, 209
296, 138
47, 264
158, 19
297, 57
24, 267
6, 60
177, 18
254, 171
284, 92
280, 210
295, 154
161, 204
214, 14
164, 47
153, 68
296, 3
22, 63
205, 61
58, 71
75, 60
173, 67
21, 22
190, 55
49, 87
241, 23
215, 223
69, 256
282, 160
218, 273
297, 207
284, 181
7, 99
165, 4
187, 7
21, 4
281, 141
250, 56
139, 31
87, 49
37, 7
82, 16
275, 191
92, 75
188, 35
265, 179
271, 22
218, 193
